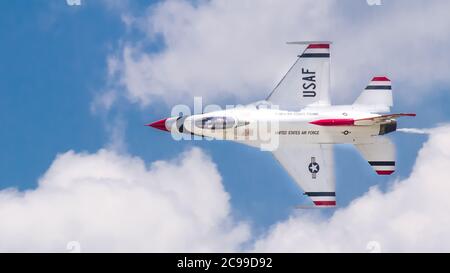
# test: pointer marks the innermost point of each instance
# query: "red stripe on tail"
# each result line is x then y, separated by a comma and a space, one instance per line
325, 203
381, 79
311, 46
385, 172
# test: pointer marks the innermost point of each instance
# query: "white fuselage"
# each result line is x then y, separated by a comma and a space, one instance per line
254, 126
302, 140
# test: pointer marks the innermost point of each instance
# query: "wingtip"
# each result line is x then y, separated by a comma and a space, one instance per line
407, 114
385, 172
325, 204
308, 42
381, 79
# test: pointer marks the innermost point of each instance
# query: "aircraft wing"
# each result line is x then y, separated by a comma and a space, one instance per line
312, 168
307, 81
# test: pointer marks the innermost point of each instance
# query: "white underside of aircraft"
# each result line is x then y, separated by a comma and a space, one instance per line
299, 125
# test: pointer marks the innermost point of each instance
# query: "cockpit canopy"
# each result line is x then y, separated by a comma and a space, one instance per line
216, 123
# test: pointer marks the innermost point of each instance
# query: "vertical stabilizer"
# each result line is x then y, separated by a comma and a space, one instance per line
377, 97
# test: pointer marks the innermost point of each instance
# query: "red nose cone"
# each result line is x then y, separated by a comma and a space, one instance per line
160, 125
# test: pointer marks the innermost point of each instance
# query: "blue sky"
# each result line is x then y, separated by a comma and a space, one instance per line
51, 65
54, 63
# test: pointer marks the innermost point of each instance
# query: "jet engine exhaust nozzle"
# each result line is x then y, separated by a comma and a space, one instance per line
389, 127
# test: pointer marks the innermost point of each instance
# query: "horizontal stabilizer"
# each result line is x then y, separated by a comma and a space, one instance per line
380, 155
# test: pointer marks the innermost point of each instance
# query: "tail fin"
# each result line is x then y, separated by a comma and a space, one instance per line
377, 96
380, 155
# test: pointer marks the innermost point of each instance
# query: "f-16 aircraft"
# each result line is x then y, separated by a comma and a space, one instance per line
305, 125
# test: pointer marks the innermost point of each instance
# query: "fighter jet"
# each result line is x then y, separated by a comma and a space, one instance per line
304, 125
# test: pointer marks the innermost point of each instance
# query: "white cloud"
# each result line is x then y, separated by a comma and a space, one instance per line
104, 100
218, 49
111, 202
114, 202
411, 216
